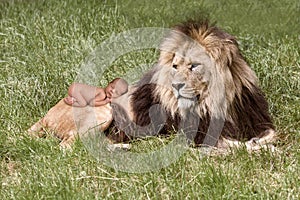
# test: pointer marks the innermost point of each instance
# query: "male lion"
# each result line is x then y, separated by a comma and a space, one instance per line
201, 80
201, 84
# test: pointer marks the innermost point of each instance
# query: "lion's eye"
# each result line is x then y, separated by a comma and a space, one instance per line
174, 66
194, 66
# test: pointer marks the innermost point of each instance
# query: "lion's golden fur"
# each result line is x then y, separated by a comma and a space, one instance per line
67, 122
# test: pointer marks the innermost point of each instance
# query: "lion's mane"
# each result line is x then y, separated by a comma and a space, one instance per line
223, 85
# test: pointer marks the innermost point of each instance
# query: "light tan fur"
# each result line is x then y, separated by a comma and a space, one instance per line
68, 122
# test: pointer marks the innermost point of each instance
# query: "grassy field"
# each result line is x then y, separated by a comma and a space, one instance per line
42, 46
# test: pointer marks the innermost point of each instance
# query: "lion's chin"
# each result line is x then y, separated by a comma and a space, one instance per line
185, 107
186, 103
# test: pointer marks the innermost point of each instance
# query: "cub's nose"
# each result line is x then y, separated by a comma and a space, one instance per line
178, 86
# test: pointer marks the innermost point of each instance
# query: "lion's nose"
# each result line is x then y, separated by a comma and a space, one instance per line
178, 86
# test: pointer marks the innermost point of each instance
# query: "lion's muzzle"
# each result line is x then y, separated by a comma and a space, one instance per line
178, 86
185, 96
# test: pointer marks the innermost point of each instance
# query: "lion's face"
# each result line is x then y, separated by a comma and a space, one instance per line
190, 76
183, 76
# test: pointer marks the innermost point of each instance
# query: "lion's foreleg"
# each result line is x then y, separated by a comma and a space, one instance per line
254, 144
269, 136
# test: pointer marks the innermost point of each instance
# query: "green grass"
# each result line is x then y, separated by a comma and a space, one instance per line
42, 46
